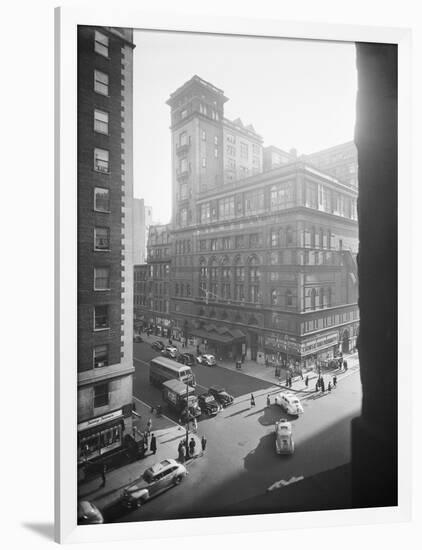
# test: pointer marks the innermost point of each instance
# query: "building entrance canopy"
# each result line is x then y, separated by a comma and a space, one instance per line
220, 335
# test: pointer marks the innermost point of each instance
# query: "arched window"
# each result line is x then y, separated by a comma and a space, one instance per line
274, 297
254, 280
313, 237
313, 298
321, 238
239, 279
321, 297
213, 278
225, 279
203, 276
289, 298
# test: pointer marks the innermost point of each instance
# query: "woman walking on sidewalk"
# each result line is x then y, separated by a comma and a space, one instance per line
252, 400
153, 444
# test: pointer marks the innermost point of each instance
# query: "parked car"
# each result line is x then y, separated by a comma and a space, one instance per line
158, 345
156, 479
172, 351
207, 360
289, 403
208, 404
186, 359
284, 444
138, 338
221, 396
88, 513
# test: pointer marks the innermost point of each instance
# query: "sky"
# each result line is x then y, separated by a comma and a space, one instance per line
296, 93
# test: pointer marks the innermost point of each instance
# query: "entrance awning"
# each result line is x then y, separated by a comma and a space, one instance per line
214, 336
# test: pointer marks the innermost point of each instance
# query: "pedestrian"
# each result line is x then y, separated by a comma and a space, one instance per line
195, 424
153, 444
192, 446
268, 401
203, 443
149, 426
334, 380
276, 400
252, 400
146, 439
301, 374
266, 362
317, 386
197, 350
322, 385
329, 386
181, 451
307, 381
345, 365
103, 475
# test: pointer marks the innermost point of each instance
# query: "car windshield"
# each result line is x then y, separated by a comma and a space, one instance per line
148, 476
208, 398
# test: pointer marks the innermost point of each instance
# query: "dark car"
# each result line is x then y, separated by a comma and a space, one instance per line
208, 404
137, 338
186, 359
158, 345
221, 396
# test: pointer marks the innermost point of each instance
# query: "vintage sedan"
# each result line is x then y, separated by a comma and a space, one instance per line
206, 359
155, 480
284, 444
221, 396
186, 359
89, 514
158, 345
208, 404
289, 403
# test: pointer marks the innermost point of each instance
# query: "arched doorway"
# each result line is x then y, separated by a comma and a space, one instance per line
345, 342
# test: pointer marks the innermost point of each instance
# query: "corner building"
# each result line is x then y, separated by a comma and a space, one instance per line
264, 263
105, 244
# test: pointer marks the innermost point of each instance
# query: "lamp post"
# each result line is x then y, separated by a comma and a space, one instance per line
187, 420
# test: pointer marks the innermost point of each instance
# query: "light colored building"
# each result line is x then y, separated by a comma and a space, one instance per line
340, 161
273, 157
142, 219
242, 151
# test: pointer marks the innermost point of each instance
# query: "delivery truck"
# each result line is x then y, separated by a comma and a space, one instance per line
182, 399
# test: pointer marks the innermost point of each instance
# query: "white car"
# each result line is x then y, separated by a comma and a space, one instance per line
289, 403
284, 444
156, 479
207, 360
170, 351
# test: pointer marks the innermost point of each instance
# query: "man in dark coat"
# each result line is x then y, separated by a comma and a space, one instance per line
153, 444
203, 443
192, 446
252, 400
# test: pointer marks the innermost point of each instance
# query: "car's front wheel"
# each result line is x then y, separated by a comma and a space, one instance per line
178, 480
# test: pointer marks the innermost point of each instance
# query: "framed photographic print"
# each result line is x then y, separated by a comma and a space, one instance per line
228, 266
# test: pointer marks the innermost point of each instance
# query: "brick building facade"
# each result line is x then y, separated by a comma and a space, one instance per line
105, 272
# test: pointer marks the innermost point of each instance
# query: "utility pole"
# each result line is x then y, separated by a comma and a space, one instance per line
187, 420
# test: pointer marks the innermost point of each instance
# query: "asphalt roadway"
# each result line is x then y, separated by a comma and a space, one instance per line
240, 460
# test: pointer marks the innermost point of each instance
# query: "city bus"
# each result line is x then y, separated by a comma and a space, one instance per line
162, 369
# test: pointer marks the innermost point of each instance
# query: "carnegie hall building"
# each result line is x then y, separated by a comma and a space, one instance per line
263, 243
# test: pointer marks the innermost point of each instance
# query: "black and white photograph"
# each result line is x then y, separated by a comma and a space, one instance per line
225, 341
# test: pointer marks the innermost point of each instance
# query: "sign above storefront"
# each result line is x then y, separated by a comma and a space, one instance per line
100, 420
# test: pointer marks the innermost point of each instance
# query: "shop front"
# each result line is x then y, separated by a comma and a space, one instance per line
224, 343
282, 350
100, 435
319, 350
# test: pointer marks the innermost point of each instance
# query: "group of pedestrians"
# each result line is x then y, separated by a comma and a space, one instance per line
187, 450
320, 384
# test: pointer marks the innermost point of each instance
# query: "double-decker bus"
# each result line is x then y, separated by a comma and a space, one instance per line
162, 369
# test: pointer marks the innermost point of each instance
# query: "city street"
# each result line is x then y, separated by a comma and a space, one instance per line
240, 460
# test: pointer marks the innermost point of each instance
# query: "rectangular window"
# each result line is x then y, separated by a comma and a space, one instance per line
205, 213
101, 44
100, 82
254, 202
231, 150
213, 244
216, 153
226, 243
230, 138
100, 122
202, 244
184, 113
204, 162
239, 241
101, 160
254, 240
102, 238
101, 199
255, 149
101, 319
100, 356
204, 135
244, 150
183, 138
101, 278
226, 208
215, 140
101, 396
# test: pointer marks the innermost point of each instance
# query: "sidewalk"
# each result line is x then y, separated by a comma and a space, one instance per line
116, 480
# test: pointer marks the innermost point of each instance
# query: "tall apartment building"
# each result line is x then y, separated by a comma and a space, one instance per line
105, 247
340, 161
263, 265
273, 157
142, 219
